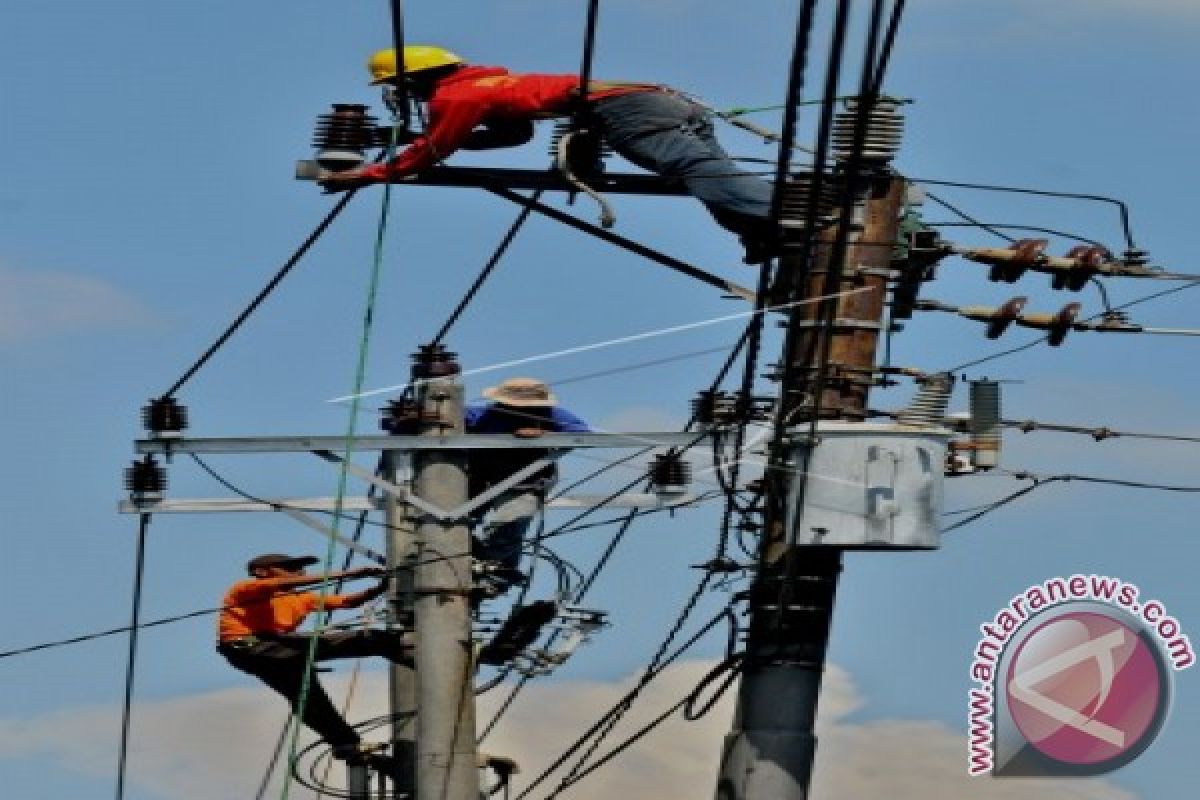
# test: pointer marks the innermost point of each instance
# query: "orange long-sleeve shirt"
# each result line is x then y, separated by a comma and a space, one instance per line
258, 605
463, 100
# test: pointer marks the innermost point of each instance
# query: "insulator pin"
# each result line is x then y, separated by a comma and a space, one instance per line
434, 361
343, 136
715, 408
164, 417
145, 480
669, 474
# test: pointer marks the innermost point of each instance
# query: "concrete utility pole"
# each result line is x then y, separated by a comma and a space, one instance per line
446, 761
769, 753
402, 681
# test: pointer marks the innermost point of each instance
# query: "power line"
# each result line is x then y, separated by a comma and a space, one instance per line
1122, 209
1098, 433
620, 704
292, 261
1044, 480
967, 217
1035, 342
131, 662
488, 267
993, 226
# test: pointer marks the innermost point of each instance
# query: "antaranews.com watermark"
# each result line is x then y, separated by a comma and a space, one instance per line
1073, 678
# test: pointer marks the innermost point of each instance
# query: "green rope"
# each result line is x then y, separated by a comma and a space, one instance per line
343, 472
739, 112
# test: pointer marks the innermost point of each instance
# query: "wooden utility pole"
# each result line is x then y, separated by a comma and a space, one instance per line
445, 673
769, 753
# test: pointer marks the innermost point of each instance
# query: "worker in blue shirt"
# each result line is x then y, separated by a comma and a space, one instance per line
524, 407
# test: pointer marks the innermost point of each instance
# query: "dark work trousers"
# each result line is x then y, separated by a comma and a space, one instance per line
672, 136
278, 660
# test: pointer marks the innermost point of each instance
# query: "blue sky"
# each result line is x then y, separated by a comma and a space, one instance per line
148, 194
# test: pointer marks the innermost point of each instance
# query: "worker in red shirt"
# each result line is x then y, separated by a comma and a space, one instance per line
652, 126
256, 634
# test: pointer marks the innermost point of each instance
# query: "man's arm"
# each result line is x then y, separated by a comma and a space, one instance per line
566, 422
263, 586
359, 598
499, 133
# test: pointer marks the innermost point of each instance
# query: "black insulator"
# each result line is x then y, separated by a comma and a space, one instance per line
164, 415
668, 471
401, 417
714, 407
434, 361
146, 477
342, 137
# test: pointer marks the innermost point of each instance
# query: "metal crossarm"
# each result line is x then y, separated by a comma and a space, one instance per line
352, 504
469, 441
459, 512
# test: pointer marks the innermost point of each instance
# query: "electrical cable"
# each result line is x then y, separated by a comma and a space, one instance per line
889, 44
497, 254
131, 662
621, 703
586, 586
292, 261
834, 274
400, 86
273, 762
589, 49
1035, 342
1043, 480
751, 337
1099, 434
994, 226
731, 666
1122, 209
343, 472
968, 218
288, 721
101, 634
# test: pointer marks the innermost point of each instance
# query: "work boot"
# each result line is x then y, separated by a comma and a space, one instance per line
761, 245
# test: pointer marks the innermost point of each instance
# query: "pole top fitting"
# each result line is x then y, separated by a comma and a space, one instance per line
434, 361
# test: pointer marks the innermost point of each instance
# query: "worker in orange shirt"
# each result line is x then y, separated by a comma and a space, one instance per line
257, 635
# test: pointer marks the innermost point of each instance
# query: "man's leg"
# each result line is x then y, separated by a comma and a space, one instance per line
285, 674
673, 137
503, 534
391, 645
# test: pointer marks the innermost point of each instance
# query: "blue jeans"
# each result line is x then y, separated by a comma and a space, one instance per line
669, 135
503, 535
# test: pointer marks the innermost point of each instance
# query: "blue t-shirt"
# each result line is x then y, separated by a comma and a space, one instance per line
488, 467
495, 418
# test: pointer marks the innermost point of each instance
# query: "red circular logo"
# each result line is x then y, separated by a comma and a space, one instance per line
1085, 688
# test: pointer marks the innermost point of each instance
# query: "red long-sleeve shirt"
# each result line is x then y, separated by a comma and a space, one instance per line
468, 97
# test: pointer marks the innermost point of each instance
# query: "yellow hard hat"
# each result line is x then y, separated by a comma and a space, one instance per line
417, 57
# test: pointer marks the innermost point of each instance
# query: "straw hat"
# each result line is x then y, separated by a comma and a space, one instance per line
519, 392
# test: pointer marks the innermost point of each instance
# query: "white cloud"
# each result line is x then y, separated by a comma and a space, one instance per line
38, 303
215, 745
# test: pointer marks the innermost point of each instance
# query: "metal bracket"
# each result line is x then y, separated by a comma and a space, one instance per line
325, 530
406, 495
